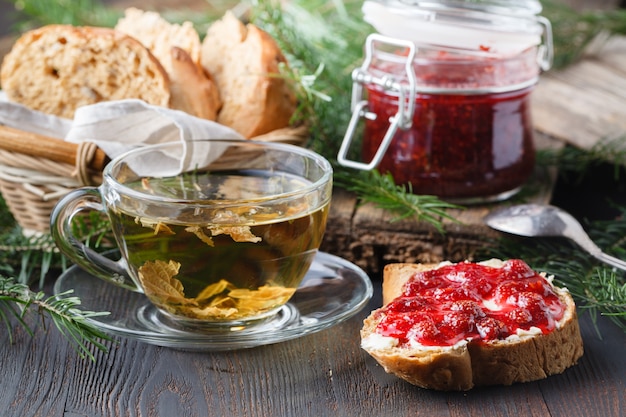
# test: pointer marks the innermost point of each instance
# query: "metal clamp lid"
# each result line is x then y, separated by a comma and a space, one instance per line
403, 119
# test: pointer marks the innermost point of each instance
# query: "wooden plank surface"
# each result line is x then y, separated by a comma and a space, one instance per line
585, 103
323, 374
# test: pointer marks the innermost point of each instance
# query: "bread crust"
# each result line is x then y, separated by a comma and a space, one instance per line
396, 275
58, 68
159, 35
192, 90
244, 62
465, 365
178, 48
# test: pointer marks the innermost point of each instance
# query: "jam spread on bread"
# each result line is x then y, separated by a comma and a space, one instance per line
469, 301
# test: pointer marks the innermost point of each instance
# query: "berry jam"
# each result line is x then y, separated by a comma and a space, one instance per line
468, 301
460, 146
471, 136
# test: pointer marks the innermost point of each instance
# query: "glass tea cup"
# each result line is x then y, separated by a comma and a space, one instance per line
216, 233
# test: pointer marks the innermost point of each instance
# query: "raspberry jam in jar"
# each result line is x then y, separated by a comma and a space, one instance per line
446, 108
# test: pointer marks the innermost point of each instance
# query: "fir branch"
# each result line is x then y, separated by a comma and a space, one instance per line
16, 299
27, 256
382, 191
611, 151
575, 161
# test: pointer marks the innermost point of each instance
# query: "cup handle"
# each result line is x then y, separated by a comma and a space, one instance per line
83, 199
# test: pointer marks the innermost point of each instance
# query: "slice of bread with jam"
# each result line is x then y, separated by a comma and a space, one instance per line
456, 326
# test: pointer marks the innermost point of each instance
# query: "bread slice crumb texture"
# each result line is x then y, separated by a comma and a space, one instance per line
159, 35
58, 68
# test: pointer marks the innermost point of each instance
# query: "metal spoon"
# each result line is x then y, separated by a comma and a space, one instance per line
533, 220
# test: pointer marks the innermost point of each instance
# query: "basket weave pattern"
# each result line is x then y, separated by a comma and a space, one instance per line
32, 186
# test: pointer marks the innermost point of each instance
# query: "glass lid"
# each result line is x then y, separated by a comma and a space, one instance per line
506, 7
496, 27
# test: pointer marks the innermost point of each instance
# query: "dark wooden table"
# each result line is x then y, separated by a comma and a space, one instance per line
322, 374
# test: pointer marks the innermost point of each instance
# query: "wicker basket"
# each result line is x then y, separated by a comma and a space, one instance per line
31, 185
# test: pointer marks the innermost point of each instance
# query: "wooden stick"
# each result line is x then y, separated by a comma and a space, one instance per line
57, 150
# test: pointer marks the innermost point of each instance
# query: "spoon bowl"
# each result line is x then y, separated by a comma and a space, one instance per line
537, 220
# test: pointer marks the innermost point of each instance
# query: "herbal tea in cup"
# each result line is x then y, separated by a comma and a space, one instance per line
212, 232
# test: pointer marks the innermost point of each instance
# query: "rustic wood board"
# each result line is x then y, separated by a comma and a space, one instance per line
585, 103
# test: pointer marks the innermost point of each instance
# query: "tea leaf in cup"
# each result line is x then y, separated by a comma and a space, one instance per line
242, 302
237, 233
158, 226
157, 279
197, 230
213, 290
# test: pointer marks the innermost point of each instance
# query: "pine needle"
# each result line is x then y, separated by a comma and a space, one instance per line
383, 192
17, 299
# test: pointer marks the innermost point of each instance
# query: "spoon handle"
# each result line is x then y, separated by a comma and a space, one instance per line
575, 231
608, 259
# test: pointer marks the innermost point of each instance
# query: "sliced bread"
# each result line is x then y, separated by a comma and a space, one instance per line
244, 62
178, 48
57, 68
529, 353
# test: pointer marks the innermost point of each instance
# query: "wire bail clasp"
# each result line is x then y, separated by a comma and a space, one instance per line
545, 52
403, 119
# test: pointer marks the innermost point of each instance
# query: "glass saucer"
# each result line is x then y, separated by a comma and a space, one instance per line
332, 291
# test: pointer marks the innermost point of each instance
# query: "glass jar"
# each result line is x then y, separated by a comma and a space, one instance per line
447, 107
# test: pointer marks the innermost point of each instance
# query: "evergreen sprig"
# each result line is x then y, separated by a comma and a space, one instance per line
27, 257
383, 192
16, 299
578, 161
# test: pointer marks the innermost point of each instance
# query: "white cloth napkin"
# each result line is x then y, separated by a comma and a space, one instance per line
20, 117
119, 126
